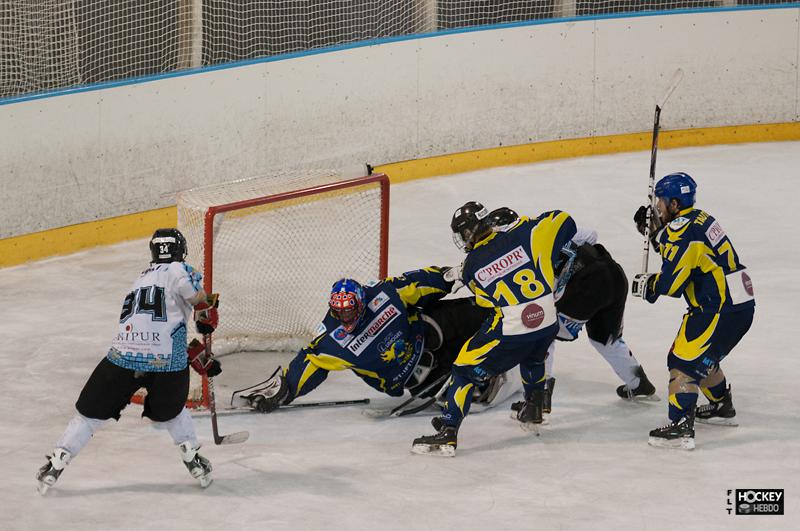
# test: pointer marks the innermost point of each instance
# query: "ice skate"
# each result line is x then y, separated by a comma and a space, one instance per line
679, 435
443, 443
547, 405
530, 413
719, 413
644, 391
199, 467
49, 473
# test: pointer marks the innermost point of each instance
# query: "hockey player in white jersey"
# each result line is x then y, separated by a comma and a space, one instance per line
150, 351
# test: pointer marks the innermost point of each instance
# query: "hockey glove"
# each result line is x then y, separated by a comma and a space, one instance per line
273, 394
644, 286
453, 274
206, 316
200, 362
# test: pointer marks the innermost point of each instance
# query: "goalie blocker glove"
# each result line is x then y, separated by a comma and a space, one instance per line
206, 315
200, 362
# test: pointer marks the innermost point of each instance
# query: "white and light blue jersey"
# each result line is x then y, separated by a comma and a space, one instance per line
152, 325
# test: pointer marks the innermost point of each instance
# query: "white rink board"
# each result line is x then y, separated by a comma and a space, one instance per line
116, 151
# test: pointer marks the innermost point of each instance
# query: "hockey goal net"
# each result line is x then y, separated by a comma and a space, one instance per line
273, 246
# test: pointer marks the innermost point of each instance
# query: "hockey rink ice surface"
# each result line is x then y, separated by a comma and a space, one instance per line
333, 469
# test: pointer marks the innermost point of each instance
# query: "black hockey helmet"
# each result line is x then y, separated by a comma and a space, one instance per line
500, 218
469, 225
167, 245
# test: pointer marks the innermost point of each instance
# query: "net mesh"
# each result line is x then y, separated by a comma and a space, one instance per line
274, 264
53, 44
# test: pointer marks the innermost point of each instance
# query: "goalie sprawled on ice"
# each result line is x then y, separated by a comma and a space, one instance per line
395, 334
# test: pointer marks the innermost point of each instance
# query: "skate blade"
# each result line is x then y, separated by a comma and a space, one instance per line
643, 398
444, 450
205, 481
42, 488
529, 426
719, 421
684, 443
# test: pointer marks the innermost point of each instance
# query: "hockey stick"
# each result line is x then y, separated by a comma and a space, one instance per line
324, 403
329, 403
676, 79
232, 438
403, 409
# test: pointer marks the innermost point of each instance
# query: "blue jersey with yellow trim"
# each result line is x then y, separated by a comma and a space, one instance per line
514, 272
700, 264
384, 348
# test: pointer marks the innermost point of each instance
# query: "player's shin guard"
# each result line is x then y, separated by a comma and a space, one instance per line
681, 405
78, 433
181, 428
718, 412
458, 397
716, 392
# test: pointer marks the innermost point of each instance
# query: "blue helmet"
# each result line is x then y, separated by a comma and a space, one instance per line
346, 303
678, 186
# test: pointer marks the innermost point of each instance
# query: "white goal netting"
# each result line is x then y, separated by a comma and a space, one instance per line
273, 263
55, 44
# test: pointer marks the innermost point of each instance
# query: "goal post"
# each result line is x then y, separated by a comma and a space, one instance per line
273, 246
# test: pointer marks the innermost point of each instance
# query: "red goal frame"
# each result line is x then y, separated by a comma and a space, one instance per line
208, 233
208, 237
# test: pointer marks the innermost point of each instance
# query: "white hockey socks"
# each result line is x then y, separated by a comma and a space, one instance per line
79, 430
621, 359
548, 361
181, 428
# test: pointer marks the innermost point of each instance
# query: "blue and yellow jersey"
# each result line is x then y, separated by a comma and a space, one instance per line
514, 273
700, 264
385, 346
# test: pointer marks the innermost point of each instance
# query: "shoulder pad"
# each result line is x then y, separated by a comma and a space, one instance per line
677, 223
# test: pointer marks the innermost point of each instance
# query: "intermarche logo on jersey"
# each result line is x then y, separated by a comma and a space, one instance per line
510, 261
755, 502
373, 329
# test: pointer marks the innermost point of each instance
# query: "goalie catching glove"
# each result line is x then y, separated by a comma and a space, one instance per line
202, 363
264, 397
206, 316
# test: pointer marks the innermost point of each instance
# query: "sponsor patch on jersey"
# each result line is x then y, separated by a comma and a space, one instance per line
532, 316
677, 223
507, 263
321, 329
340, 335
379, 300
373, 329
372, 283
715, 234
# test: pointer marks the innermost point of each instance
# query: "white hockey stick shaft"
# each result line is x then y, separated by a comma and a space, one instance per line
673, 84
